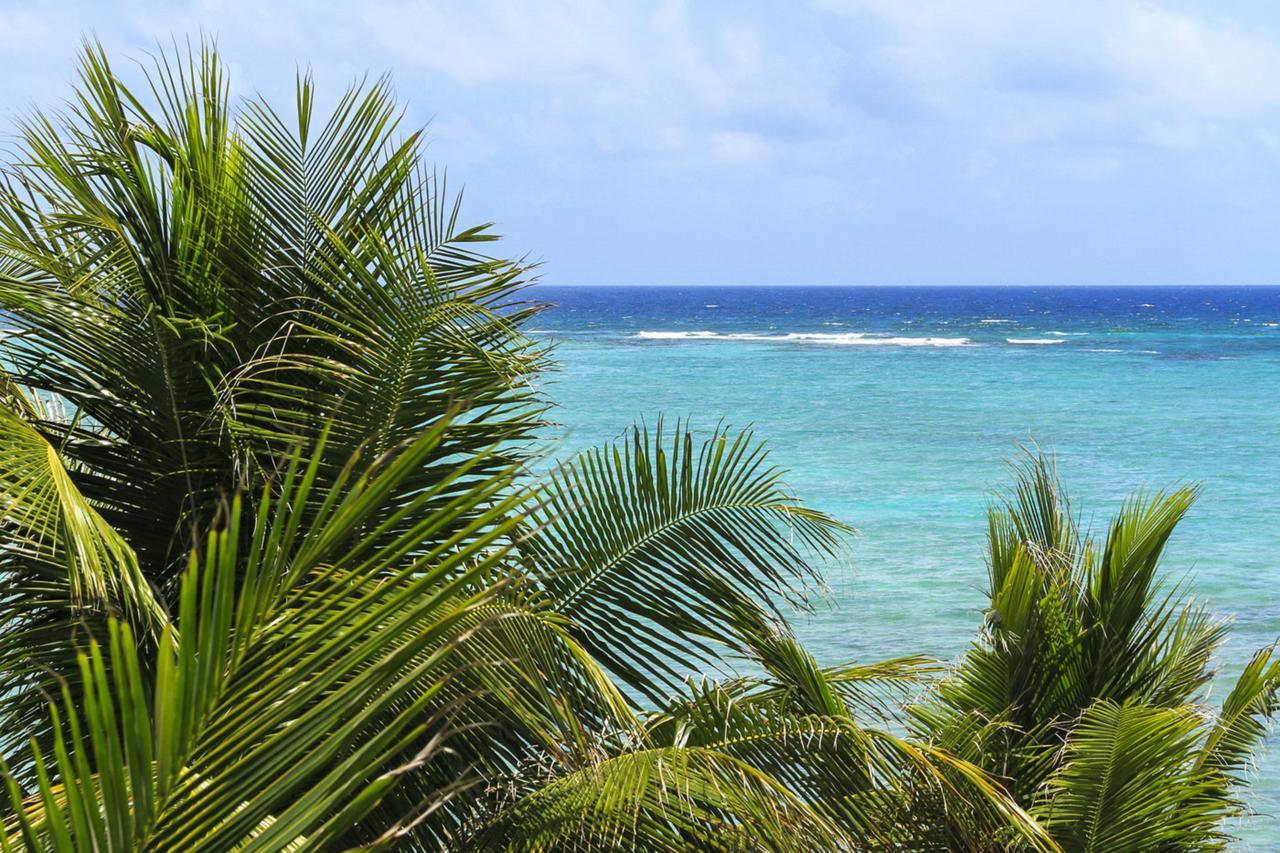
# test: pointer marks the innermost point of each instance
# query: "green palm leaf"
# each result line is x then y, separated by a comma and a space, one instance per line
208, 284
669, 798
659, 550
1241, 724
1128, 782
294, 698
63, 570
1081, 636
883, 791
52, 529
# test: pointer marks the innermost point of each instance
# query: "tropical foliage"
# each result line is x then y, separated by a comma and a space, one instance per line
276, 571
1086, 694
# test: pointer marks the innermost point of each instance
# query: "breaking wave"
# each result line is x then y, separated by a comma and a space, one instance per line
822, 338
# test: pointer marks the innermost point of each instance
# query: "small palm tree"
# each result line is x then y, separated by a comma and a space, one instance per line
275, 574
1086, 693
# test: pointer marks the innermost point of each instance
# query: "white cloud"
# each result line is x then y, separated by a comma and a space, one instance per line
1046, 69
923, 110
1212, 69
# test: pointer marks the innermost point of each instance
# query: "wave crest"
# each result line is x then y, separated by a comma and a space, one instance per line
823, 338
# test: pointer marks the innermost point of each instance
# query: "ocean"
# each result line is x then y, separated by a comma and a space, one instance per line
898, 411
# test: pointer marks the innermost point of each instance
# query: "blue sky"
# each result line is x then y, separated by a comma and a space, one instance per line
827, 142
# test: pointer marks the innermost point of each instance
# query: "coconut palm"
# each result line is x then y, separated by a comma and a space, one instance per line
190, 298
1086, 693
276, 573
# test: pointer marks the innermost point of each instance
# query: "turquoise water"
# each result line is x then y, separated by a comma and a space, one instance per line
897, 410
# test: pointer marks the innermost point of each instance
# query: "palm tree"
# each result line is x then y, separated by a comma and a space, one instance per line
191, 298
275, 573
1086, 693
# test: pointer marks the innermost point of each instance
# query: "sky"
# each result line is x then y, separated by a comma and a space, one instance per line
894, 142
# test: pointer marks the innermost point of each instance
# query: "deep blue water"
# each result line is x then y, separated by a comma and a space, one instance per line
897, 409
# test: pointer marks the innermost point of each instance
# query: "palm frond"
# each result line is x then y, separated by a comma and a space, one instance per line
660, 550
883, 791
1241, 724
1080, 636
208, 284
51, 529
1128, 781
63, 568
270, 717
673, 798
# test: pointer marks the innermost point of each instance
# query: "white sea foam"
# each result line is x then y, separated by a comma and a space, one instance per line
994, 322
1037, 341
1069, 334
675, 336
711, 305
822, 338
1104, 349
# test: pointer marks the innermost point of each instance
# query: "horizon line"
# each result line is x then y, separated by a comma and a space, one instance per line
918, 286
